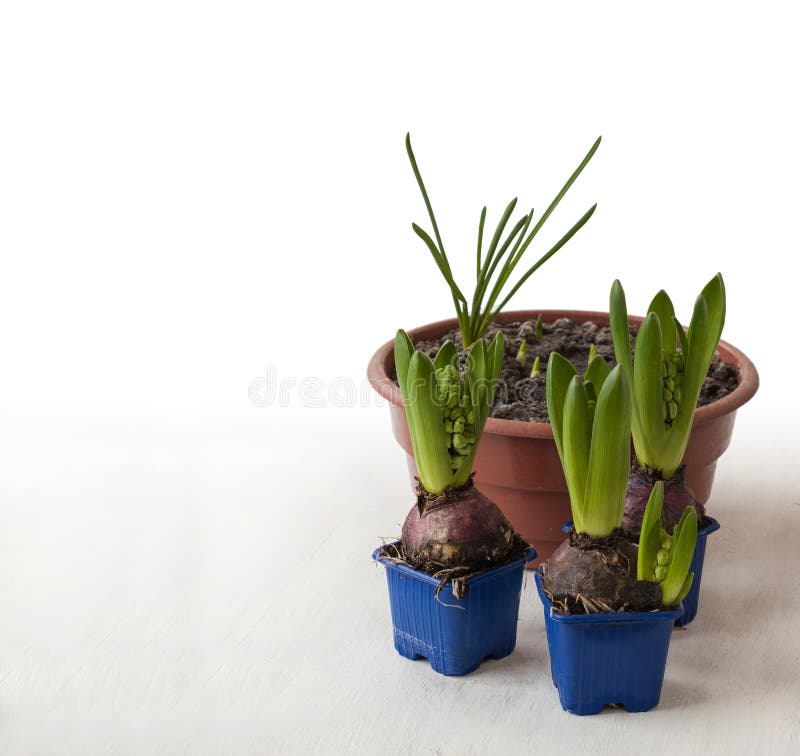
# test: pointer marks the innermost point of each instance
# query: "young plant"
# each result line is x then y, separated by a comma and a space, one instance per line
594, 569
663, 558
666, 372
452, 525
592, 441
495, 267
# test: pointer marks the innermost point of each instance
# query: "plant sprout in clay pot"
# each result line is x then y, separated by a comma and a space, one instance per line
496, 262
456, 545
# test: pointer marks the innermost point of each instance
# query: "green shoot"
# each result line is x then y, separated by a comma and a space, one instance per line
667, 370
535, 369
539, 332
521, 354
663, 558
503, 254
592, 352
594, 446
446, 410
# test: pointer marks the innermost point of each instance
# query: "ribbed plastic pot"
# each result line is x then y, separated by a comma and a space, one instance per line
602, 659
517, 465
454, 635
693, 597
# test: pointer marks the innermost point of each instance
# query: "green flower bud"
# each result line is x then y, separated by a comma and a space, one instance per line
660, 573
666, 541
662, 557
667, 395
458, 425
673, 410
448, 426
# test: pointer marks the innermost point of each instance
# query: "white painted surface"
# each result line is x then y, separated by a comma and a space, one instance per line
194, 587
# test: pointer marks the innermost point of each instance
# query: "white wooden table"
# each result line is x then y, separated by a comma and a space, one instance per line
199, 587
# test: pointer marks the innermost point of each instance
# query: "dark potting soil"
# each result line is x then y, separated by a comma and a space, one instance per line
520, 397
587, 575
458, 576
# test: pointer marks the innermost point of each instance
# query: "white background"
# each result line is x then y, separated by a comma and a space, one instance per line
194, 194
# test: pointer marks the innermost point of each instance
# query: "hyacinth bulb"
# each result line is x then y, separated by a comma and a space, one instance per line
677, 496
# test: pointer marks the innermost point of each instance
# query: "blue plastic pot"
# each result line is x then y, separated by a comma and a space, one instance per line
692, 598
601, 659
455, 635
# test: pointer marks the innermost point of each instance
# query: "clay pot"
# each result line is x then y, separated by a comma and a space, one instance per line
517, 465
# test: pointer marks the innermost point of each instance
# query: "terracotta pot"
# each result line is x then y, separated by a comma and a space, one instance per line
517, 465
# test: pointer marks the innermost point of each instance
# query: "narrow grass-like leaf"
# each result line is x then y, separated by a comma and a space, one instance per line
425, 197
440, 261
577, 437
560, 373
480, 242
544, 258
564, 189
609, 460
650, 537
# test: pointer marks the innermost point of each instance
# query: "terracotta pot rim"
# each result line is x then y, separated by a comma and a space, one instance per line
382, 361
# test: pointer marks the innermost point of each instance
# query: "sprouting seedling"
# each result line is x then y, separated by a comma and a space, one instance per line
667, 370
535, 369
594, 446
447, 410
522, 353
663, 558
592, 352
495, 267
539, 330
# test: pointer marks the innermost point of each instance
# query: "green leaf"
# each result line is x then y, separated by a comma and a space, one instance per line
684, 539
560, 373
684, 591
494, 357
649, 437
577, 437
440, 261
428, 437
620, 335
714, 294
650, 537
544, 258
481, 223
662, 306
597, 372
681, 337
403, 349
609, 460
447, 355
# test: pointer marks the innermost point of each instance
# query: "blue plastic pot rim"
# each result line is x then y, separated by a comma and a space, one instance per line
669, 615
712, 527
530, 555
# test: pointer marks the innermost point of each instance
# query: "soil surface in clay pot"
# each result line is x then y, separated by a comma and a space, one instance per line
521, 397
